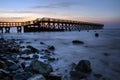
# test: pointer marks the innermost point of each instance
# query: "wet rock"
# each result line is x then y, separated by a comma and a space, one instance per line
34, 50
42, 43
97, 75
35, 56
9, 63
106, 54
84, 66
96, 35
51, 48
37, 77
77, 42
51, 59
14, 67
76, 75
20, 42
53, 77
25, 56
23, 65
27, 51
40, 67
82, 69
22, 76
2, 64
3, 73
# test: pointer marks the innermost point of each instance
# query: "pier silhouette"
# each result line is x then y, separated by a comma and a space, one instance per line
49, 24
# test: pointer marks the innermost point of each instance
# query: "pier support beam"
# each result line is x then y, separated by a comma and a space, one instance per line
7, 29
19, 29
1, 30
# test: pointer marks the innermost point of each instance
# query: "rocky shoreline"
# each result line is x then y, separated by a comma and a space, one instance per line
19, 62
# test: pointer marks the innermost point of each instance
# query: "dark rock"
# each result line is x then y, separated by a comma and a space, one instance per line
23, 65
42, 43
97, 75
14, 67
40, 67
2, 64
37, 77
77, 42
21, 42
22, 76
27, 51
51, 48
84, 66
51, 59
22, 46
35, 56
34, 50
76, 75
9, 63
106, 54
52, 77
96, 35
3, 73
25, 56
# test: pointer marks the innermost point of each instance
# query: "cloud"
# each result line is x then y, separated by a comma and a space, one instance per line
56, 5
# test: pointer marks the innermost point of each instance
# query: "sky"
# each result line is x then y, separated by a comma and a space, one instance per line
100, 11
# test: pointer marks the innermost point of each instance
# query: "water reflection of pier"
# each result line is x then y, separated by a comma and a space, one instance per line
49, 24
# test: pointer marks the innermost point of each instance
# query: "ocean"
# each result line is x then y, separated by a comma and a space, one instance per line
93, 50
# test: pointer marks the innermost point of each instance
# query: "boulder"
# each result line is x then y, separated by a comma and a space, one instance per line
3, 73
77, 42
42, 43
14, 67
2, 64
84, 66
35, 56
9, 63
40, 67
76, 75
34, 50
52, 77
37, 77
51, 48
22, 76
25, 56
96, 35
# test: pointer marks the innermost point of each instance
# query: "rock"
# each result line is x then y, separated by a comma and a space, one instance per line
35, 56
27, 51
84, 66
77, 42
76, 75
51, 48
51, 59
97, 75
9, 63
34, 50
106, 54
42, 43
2, 64
40, 67
25, 56
14, 67
3, 73
37, 77
52, 77
23, 65
22, 76
96, 35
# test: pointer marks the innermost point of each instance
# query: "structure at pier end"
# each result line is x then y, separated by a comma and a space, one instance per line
49, 24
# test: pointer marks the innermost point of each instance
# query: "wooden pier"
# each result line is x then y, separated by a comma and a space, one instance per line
49, 24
